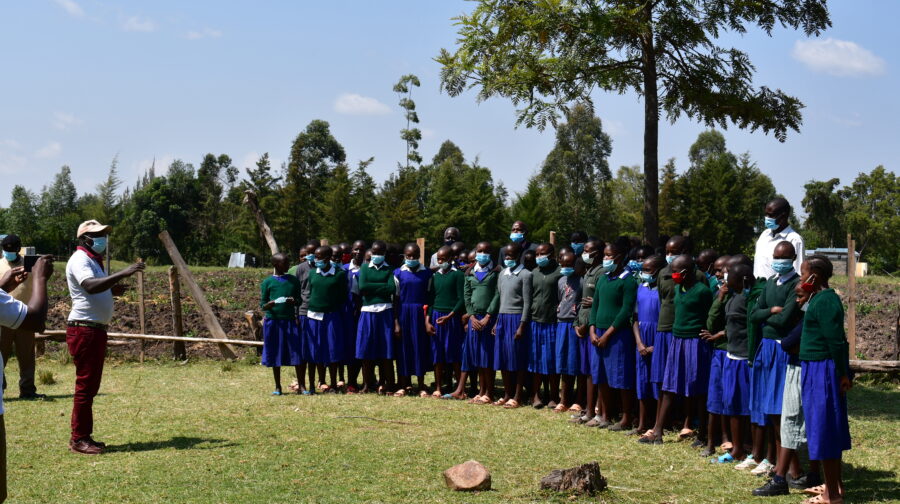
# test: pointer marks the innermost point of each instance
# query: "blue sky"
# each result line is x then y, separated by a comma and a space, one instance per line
86, 80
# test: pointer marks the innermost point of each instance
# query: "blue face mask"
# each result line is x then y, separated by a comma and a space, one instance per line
482, 258
10, 256
336, 264
634, 265
567, 271
377, 260
517, 237
669, 259
542, 261
746, 291
782, 266
578, 248
310, 258
646, 277
411, 263
609, 264
771, 223
99, 245
510, 263
321, 263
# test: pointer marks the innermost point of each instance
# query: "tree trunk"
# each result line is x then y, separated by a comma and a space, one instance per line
651, 133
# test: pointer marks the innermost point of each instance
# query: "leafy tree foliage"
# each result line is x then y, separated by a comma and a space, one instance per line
824, 214
410, 135
872, 206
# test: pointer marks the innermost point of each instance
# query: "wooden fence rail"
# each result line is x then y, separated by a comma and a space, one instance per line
54, 334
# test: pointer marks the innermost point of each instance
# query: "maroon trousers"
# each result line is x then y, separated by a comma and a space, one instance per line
87, 345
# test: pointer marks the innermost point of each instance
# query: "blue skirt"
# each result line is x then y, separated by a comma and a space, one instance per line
542, 358
414, 349
735, 387
825, 410
618, 358
281, 343
511, 354
767, 381
447, 343
598, 370
714, 401
659, 356
585, 349
375, 336
568, 349
325, 338
478, 348
301, 324
351, 326
646, 389
687, 370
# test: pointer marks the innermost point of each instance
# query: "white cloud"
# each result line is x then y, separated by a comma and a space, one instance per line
841, 58
63, 121
11, 159
355, 104
137, 24
51, 150
71, 7
204, 33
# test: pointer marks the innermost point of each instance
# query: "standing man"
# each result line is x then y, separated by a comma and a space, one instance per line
451, 236
92, 291
778, 213
22, 339
518, 234
15, 314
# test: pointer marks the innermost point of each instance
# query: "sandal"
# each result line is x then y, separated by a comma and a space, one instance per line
650, 439
400, 393
484, 400
511, 404
726, 446
277, 392
351, 390
576, 408
423, 394
816, 490
437, 394
323, 388
686, 434
474, 400
560, 408
818, 499
499, 402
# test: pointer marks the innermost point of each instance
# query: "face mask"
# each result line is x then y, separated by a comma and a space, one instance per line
411, 263
587, 258
669, 259
345, 258
321, 263
542, 261
482, 258
634, 265
517, 237
678, 276
99, 244
336, 264
804, 307
746, 291
567, 271
708, 275
444, 266
578, 247
377, 260
609, 264
771, 223
10, 256
509, 263
782, 266
646, 277
310, 258
725, 277
808, 285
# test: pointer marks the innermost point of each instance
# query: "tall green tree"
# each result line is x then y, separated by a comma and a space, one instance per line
872, 204
545, 54
58, 216
335, 208
574, 172
399, 214
411, 135
669, 200
108, 196
363, 202
626, 191
824, 213
529, 208
22, 216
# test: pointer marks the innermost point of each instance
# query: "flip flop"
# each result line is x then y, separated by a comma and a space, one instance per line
560, 408
722, 459
818, 499
307, 392
400, 393
576, 408
726, 446
538, 405
474, 399
645, 439
512, 404
816, 490
685, 434
437, 395
484, 400
324, 388
499, 402
423, 394
277, 392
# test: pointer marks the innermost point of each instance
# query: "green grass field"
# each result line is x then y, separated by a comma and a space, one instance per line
210, 432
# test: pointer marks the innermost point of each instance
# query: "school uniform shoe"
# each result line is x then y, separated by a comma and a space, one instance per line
84, 447
775, 486
803, 482
764, 467
580, 420
748, 463
596, 422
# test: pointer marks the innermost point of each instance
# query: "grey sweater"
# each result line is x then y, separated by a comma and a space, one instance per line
303, 275
515, 292
569, 298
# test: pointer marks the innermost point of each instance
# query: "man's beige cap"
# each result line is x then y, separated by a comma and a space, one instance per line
91, 226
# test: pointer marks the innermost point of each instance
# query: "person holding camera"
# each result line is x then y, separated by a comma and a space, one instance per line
92, 291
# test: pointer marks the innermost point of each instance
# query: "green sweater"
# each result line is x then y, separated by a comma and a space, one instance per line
446, 292
691, 309
545, 293
614, 301
588, 289
481, 297
823, 331
274, 288
715, 321
327, 293
666, 287
776, 326
376, 286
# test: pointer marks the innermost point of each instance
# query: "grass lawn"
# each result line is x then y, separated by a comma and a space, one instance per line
210, 432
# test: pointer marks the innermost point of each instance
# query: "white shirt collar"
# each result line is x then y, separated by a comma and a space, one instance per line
782, 279
487, 267
373, 266
352, 267
783, 233
407, 268
624, 273
511, 271
328, 273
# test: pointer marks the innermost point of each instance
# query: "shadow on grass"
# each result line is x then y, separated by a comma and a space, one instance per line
47, 398
177, 442
868, 485
873, 403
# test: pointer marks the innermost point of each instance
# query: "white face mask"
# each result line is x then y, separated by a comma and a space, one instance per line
586, 257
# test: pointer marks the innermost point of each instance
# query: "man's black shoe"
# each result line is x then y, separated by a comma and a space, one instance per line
773, 487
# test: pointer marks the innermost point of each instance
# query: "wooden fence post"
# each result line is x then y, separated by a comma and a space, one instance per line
851, 298
255, 327
421, 243
209, 318
175, 294
141, 308
553, 238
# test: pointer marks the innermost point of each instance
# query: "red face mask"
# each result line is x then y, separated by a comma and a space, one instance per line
808, 286
678, 276
345, 258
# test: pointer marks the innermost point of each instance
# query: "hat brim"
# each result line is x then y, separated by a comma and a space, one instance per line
95, 229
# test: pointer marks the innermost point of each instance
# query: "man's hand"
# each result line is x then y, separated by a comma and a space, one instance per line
43, 268
134, 268
13, 278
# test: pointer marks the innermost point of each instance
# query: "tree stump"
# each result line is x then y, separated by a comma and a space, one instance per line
469, 476
585, 479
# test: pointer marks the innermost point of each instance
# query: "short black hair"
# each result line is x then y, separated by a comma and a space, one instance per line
821, 265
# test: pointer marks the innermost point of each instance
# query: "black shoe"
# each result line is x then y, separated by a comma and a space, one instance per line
33, 397
803, 482
708, 452
94, 442
772, 488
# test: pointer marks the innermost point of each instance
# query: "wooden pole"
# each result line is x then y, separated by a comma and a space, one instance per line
421, 243
553, 238
851, 299
141, 308
264, 229
175, 294
209, 318
255, 328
